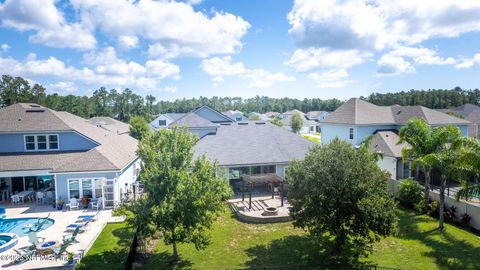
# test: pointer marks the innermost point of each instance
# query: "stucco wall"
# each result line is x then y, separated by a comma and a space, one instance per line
68, 141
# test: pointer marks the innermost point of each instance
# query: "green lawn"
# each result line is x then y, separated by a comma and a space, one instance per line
418, 245
110, 250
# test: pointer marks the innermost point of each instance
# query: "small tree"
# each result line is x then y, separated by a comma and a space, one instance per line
410, 193
339, 192
296, 122
254, 117
277, 121
183, 196
139, 128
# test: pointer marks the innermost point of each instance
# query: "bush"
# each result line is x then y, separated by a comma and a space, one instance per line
465, 220
410, 193
449, 214
433, 208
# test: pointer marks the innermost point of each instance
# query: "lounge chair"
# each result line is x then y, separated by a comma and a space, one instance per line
23, 256
80, 226
34, 239
73, 204
70, 238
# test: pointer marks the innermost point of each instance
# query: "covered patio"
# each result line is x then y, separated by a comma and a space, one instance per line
250, 181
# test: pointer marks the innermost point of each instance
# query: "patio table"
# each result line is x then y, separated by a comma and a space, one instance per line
24, 194
47, 247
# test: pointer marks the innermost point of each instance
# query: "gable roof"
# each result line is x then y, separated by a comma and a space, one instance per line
113, 152
192, 120
221, 115
175, 116
359, 112
250, 143
25, 117
386, 143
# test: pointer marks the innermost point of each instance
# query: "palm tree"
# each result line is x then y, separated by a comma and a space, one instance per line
419, 135
469, 163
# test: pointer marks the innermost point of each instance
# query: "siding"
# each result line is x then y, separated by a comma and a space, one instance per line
61, 181
69, 141
155, 125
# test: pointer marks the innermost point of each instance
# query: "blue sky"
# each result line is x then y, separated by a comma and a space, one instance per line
176, 49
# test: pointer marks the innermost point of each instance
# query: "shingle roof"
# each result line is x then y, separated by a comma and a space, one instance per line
175, 116
252, 143
110, 124
468, 111
114, 151
193, 120
386, 143
24, 117
359, 112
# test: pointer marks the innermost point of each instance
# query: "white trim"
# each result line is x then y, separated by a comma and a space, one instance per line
115, 171
56, 190
217, 112
35, 142
80, 185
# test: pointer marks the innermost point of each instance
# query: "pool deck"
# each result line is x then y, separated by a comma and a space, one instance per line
55, 232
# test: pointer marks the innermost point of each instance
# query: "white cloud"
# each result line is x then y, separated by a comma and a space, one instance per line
469, 62
128, 42
331, 78
5, 47
62, 87
173, 28
307, 59
393, 65
326, 30
169, 89
104, 68
49, 23
218, 67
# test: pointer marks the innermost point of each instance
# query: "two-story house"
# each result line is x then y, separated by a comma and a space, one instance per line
357, 120
43, 149
201, 121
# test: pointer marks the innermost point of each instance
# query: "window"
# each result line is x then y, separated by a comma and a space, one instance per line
41, 142
162, 122
79, 188
406, 170
53, 141
30, 142
74, 188
238, 119
351, 133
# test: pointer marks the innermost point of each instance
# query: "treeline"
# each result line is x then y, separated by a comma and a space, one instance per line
125, 104
434, 98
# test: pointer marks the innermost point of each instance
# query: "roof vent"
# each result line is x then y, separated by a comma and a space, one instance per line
260, 123
242, 123
35, 105
39, 109
224, 124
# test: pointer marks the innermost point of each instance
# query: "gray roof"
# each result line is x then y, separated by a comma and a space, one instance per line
359, 112
468, 111
110, 124
175, 116
24, 117
386, 143
193, 120
114, 151
251, 143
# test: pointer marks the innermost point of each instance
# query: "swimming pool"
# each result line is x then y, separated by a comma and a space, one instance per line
22, 226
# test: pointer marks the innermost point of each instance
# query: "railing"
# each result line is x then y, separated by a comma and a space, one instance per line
321, 267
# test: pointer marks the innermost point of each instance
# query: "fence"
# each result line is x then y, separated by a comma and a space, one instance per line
322, 267
472, 209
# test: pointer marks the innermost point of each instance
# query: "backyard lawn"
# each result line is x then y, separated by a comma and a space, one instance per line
418, 245
110, 250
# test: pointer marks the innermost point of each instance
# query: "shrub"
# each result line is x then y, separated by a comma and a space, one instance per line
449, 214
465, 220
410, 193
433, 208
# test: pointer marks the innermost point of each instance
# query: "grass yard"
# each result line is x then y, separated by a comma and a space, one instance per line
314, 137
110, 250
418, 245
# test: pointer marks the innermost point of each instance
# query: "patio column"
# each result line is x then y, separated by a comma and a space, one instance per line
281, 193
273, 190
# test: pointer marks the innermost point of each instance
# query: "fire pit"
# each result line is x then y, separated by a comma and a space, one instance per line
270, 211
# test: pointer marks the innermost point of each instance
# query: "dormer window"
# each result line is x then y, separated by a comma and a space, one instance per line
162, 123
41, 142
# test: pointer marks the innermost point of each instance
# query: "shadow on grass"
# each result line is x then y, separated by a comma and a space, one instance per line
296, 250
448, 251
163, 260
113, 256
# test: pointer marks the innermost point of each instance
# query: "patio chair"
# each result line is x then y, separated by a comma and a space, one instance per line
15, 199
23, 256
80, 226
73, 204
70, 238
98, 204
34, 239
40, 197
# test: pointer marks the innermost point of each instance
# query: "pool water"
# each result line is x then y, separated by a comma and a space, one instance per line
4, 239
22, 226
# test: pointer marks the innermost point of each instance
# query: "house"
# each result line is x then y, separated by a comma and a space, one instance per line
235, 115
357, 119
247, 148
259, 116
307, 127
317, 116
43, 149
469, 112
201, 121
